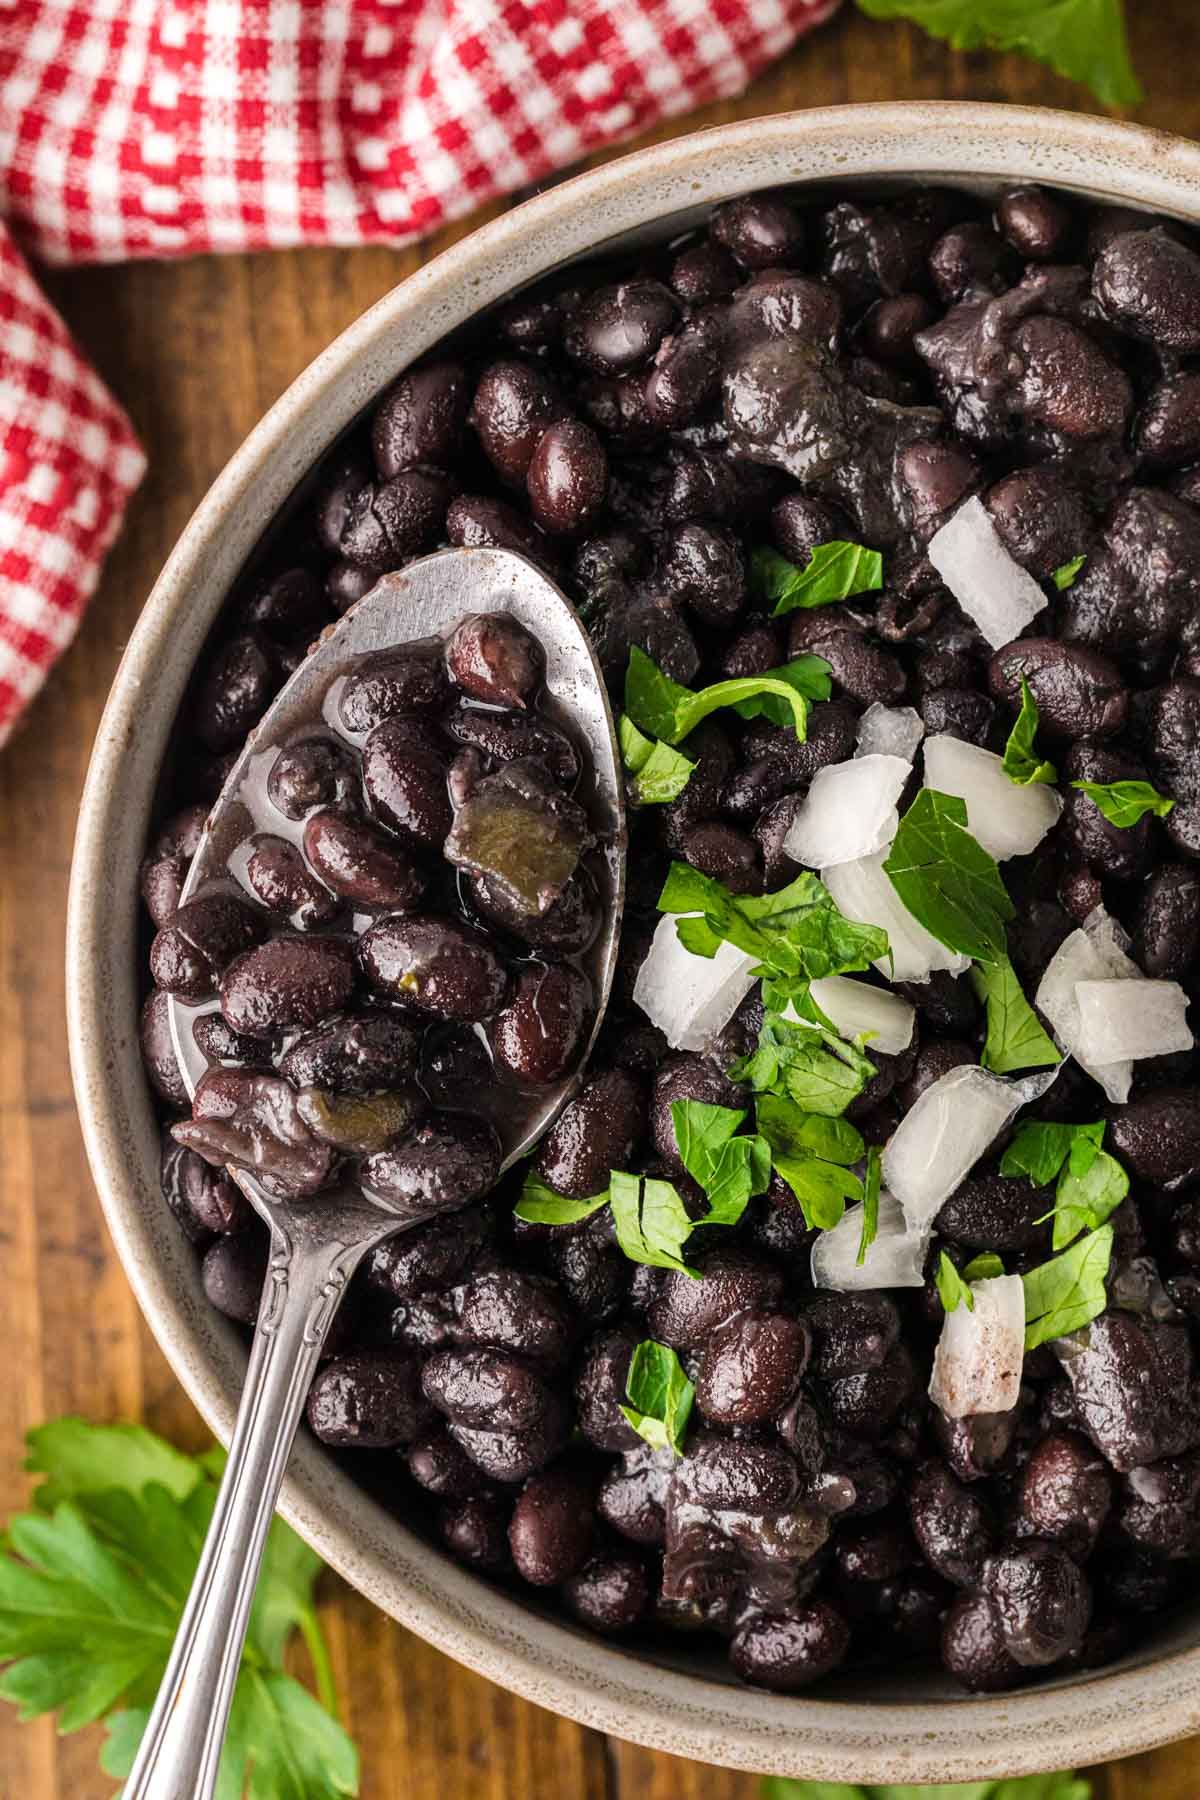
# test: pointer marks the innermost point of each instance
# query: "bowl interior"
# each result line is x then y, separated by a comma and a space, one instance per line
912, 1725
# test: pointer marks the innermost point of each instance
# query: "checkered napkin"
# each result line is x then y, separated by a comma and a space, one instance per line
166, 127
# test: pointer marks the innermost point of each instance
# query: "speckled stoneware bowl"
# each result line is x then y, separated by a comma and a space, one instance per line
902, 1727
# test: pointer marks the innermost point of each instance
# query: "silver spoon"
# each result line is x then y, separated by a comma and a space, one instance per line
317, 1244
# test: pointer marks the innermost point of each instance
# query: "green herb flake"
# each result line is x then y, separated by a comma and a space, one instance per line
730, 1169
947, 880
1123, 803
1015, 1037
660, 1396
818, 1070
1021, 764
951, 1286
92, 1588
814, 1155
1068, 1292
659, 772
1085, 1200
809, 675
1039, 1150
1064, 576
872, 1185
834, 571
984, 1267
540, 1205
665, 709
652, 1223
1084, 40
797, 933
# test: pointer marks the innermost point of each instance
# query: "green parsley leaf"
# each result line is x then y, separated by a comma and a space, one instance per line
1039, 1150
651, 1220
984, 1267
92, 1586
947, 880
951, 1286
1084, 40
1068, 1292
660, 773
1020, 764
1085, 1198
666, 709
797, 933
833, 572
1015, 1038
809, 675
540, 1205
820, 1071
660, 1396
1064, 576
872, 1184
1124, 802
814, 1156
730, 1169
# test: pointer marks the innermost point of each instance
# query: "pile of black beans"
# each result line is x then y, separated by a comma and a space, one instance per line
795, 373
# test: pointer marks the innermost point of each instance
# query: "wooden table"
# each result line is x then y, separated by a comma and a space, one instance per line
197, 351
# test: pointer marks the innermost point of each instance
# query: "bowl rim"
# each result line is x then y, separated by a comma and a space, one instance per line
595, 1682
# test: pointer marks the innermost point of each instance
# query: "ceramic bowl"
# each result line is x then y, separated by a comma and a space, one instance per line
898, 1727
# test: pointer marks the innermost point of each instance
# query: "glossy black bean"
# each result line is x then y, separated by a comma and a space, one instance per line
435, 965
492, 657
406, 785
752, 1366
513, 737
990, 1211
1041, 517
789, 1651
477, 521
409, 680
1067, 384
553, 1524
288, 984
973, 1647
1042, 1601
1166, 937
199, 941
1118, 853
970, 259
1149, 285
165, 866
446, 1163
368, 1400
538, 1035
1079, 693
567, 928
619, 328
312, 772
686, 1312
704, 273
951, 1525
158, 1049
437, 1464
387, 524
703, 568
611, 1592
475, 1530
594, 1134
232, 1274
235, 692
1037, 224
1158, 1137
253, 1120
1065, 1494
420, 419
851, 1333
205, 1200
280, 881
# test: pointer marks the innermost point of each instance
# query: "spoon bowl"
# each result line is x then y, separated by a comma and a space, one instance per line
317, 1243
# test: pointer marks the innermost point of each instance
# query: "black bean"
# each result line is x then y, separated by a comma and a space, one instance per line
685, 377
686, 1077
567, 478
199, 941
1173, 734
868, 1403
427, 1258
611, 1592
851, 1333
687, 1312
977, 1446
632, 1498
476, 521
776, 761
760, 231
945, 1003
235, 692
513, 737
949, 1523
368, 1400
594, 1134
420, 419
344, 477
1065, 1493
510, 1456
407, 785
312, 772
1149, 285
165, 866
492, 657
752, 1367
1158, 1507
233, 1272
600, 1391
412, 679
1036, 223
730, 856
537, 1036
439, 1465
1079, 693
973, 1647
1117, 853
935, 1058
702, 567
552, 1525
567, 928
475, 1530
958, 712
487, 1390
290, 983
1042, 1601
619, 328
1041, 517
990, 1211
788, 1651
435, 965
1167, 429
158, 1049
866, 671
446, 1163
1158, 1137
389, 523
704, 273
514, 403
1166, 938
970, 259
1067, 384
279, 880
1130, 1381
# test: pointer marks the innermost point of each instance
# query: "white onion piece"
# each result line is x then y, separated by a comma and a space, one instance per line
1125, 1021
863, 892
978, 1360
1006, 819
992, 589
1090, 954
895, 1259
889, 731
690, 997
858, 1009
848, 812
941, 1138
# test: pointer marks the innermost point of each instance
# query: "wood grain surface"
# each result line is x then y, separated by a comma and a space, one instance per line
197, 351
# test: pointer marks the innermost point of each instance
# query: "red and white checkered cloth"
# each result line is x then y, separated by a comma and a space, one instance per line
166, 127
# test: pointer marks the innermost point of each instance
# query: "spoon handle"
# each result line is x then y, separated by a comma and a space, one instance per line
180, 1751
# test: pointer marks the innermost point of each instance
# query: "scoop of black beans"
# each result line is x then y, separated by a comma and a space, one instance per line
788, 375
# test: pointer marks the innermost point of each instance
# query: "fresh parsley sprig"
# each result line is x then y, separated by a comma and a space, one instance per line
730, 1169
953, 1288
872, 1186
660, 773
1015, 1036
1020, 762
660, 1396
819, 1071
834, 571
947, 880
92, 1586
1067, 1292
1123, 803
1091, 1182
815, 1154
667, 710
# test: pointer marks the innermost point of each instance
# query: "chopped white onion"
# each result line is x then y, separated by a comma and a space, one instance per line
978, 1360
992, 589
1093, 953
848, 812
1007, 820
863, 892
690, 997
1124, 1021
858, 1009
890, 731
895, 1259
941, 1138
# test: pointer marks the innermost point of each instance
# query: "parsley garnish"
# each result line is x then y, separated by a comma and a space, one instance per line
730, 1169
947, 880
872, 1182
1068, 1292
540, 1205
984, 1267
1064, 576
92, 1585
669, 711
1124, 802
1082, 39
833, 572
660, 1396
814, 1154
1091, 1183
651, 1221
820, 1071
1015, 1038
951, 1286
659, 772
1021, 765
